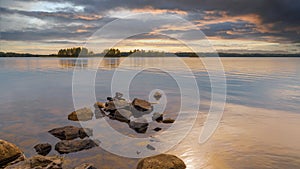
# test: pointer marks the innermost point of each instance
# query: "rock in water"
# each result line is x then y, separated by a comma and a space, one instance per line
150, 147
85, 166
9, 153
162, 161
157, 129
39, 162
157, 117
43, 149
99, 105
123, 115
83, 114
69, 146
142, 105
139, 125
71, 132
157, 95
168, 120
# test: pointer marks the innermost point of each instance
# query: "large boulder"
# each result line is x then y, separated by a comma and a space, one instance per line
162, 161
83, 114
142, 105
69, 146
9, 153
139, 125
71, 132
43, 149
39, 162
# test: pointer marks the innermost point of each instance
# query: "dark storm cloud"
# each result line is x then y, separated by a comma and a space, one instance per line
281, 16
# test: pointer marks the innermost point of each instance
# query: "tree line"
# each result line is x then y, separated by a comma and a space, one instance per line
73, 52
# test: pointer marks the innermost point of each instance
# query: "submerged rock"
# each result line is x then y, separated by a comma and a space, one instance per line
69, 146
162, 161
168, 120
85, 166
71, 132
39, 162
43, 149
9, 153
142, 105
83, 114
150, 147
139, 125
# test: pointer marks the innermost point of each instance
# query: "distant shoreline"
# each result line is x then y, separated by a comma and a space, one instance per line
182, 54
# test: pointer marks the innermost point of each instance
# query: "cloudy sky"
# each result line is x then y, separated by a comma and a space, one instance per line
256, 26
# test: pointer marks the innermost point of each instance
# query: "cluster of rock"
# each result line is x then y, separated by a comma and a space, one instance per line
74, 139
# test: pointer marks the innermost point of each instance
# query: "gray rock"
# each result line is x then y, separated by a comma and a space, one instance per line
139, 125
71, 132
43, 149
69, 146
123, 115
9, 153
157, 117
85, 166
157, 129
142, 105
162, 161
83, 114
39, 162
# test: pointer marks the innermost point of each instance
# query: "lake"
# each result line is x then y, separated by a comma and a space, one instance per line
259, 129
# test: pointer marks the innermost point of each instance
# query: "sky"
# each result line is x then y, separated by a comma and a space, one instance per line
236, 26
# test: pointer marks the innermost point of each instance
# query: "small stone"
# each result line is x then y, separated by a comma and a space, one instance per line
157, 129
142, 105
85, 166
123, 115
150, 147
43, 149
69, 146
162, 161
109, 98
119, 96
99, 105
83, 114
168, 120
139, 125
157, 117
71, 132
157, 95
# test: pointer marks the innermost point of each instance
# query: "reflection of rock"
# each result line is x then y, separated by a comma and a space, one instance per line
39, 162
83, 114
9, 153
85, 166
140, 125
157, 95
162, 161
157, 117
71, 132
168, 120
142, 105
69, 146
43, 149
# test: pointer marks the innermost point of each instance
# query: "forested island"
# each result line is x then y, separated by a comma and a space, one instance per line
114, 52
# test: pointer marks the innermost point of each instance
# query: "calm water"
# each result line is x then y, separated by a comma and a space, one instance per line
259, 129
